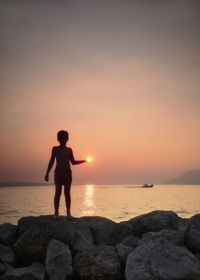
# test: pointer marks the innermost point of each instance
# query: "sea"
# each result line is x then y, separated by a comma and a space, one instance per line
116, 202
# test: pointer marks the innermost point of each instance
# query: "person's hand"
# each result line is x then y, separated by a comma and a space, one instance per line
47, 178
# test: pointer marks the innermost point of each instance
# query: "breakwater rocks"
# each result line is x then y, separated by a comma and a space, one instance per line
154, 246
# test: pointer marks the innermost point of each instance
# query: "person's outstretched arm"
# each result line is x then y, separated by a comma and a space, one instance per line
73, 161
51, 162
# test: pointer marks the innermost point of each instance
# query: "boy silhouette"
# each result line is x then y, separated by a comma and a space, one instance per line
63, 173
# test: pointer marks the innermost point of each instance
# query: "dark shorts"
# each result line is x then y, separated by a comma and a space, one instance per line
63, 178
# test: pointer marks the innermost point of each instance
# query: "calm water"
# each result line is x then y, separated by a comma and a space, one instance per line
112, 201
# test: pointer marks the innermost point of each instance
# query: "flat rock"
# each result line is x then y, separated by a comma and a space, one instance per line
192, 234
173, 236
34, 272
97, 262
154, 221
58, 262
160, 259
8, 234
36, 233
6, 254
107, 232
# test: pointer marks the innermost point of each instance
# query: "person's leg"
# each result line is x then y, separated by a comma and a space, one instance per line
68, 198
58, 190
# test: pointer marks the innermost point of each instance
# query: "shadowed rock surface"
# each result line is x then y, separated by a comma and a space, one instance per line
36, 232
58, 260
98, 248
192, 234
6, 254
33, 272
97, 262
8, 234
154, 221
172, 236
160, 259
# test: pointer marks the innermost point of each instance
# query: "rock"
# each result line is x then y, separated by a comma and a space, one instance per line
131, 241
80, 242
154, 221
2, 268
97, 262
172, 236
6, 254
36, 232
34, 272
94, 219
8, 234
192, 234
197, 255
160, 259
58, 260
107, 232
123, 251
183, 224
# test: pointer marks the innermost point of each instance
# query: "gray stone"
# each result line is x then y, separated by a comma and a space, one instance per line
97, 263
131, 241
107, 232
34, 272
6, 254
123, 251
154, 221
172, 236
80, 242
36, 232
58, 260
192, 234
160, 259
8, 234
2, 268
183, 224
197, 255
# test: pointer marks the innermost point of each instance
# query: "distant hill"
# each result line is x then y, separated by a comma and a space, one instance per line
191, 177
23, 184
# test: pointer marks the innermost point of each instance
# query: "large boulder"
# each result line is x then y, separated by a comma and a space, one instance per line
173, 236
97, 262
6, 254
58, 262
154, 221
107, 232
123, 251
35, 234
192, 234
8, 234
160, 259
34, 272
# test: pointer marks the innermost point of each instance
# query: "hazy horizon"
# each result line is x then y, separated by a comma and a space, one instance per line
121, 77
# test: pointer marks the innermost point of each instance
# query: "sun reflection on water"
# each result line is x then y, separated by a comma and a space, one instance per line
89, 200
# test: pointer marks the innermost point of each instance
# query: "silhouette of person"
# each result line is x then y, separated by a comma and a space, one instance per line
63, 174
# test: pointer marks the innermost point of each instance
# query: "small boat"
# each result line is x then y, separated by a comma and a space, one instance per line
146, 186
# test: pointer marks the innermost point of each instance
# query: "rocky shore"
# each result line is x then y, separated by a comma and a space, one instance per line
154, 246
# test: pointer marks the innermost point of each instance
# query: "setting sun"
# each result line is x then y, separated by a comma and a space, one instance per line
89, 159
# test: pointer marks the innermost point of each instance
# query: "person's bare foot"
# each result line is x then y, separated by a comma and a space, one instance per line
69, 216
56, 215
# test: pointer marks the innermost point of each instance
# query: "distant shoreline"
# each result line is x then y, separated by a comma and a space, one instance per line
31, 184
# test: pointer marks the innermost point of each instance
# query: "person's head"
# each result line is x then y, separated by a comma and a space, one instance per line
62, 136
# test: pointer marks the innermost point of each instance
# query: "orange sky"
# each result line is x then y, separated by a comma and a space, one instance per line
122, 78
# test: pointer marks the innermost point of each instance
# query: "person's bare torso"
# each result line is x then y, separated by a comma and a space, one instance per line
62, 158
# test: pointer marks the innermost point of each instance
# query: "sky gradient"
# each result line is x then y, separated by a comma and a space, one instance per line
121, 76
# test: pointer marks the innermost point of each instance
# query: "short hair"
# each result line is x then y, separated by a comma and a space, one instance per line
62, 135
